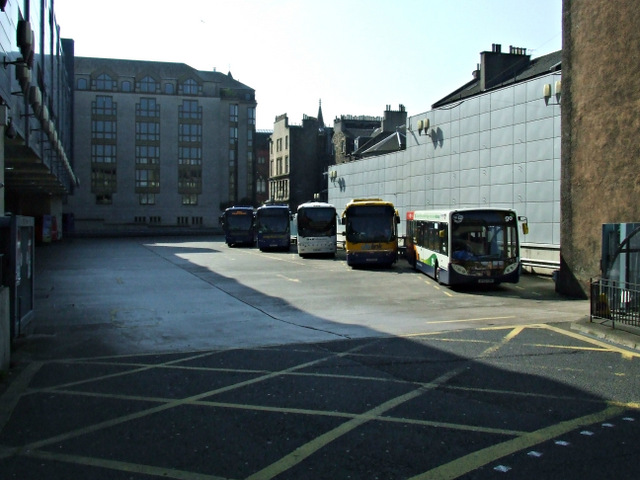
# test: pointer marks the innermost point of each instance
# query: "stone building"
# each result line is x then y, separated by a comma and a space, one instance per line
361, 136
600, 131
299, 157
262, 166
159, 146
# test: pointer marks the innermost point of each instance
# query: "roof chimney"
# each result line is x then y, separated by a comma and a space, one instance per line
496, 67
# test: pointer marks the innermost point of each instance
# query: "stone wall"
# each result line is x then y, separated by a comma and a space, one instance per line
600, 131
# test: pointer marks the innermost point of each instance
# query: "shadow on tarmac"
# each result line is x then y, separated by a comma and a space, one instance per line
98, 399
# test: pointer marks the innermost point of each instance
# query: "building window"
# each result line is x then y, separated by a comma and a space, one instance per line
189, 180
233, 136
196, 221
251, 116
189, 156
104, 82
82, 84
103, 153
147, 107
103, 180
148, 85
233, 113
190, 199
261, 185
182, 220
190, 132
103, 105
103, 129
147, 179
126, 86
190, 109
169, 88
189, 87
147, 131
147, 198
147, 154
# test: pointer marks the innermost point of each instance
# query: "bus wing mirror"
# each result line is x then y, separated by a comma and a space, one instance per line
441, 233
525, 225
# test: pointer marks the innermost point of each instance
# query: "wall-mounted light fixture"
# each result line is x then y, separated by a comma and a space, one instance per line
423, 125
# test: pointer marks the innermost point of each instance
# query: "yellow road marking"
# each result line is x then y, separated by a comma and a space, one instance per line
480, 458
626, 354
511, 335
303, 452
470, 320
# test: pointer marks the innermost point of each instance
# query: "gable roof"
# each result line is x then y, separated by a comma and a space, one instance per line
534, 68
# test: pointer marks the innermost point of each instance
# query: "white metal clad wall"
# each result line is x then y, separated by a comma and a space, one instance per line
499, 149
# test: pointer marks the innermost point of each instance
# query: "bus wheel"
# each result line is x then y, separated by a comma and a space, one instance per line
437, 273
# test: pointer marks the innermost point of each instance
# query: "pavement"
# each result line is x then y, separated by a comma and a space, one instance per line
618, 334
83, 410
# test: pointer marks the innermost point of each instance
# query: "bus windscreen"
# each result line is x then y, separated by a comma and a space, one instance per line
273, 221
478, 236
239, 220
371, 224
316, 222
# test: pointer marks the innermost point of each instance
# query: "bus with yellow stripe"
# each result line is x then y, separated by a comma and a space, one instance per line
371, 232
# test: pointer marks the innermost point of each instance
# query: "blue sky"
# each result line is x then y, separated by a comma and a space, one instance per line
357, 56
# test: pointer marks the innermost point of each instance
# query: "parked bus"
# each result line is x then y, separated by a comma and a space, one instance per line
238, 224
371, 232
467, 245
316, 225
273, 227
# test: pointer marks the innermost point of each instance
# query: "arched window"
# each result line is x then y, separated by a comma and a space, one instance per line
148, 85
82, 84
189, 87
104, 82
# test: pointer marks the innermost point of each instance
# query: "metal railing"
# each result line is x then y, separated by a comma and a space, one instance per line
615, 301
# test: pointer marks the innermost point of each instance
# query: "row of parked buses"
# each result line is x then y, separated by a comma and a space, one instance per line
454, 246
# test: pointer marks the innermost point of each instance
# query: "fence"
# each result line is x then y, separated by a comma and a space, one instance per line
615, 301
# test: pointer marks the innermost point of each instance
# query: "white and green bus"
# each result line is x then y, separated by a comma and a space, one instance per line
466, 245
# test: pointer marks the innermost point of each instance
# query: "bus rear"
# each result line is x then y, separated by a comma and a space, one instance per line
316, 225
238, 224
273, 227
371, 232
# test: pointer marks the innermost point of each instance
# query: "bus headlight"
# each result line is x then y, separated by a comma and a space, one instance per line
459, 269
512, 267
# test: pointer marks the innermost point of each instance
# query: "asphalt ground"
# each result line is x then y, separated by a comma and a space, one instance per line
536, 400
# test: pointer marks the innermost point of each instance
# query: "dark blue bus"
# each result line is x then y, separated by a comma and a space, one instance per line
273, 227
238, 224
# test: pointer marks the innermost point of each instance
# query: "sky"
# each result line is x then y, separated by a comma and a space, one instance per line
355, 56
